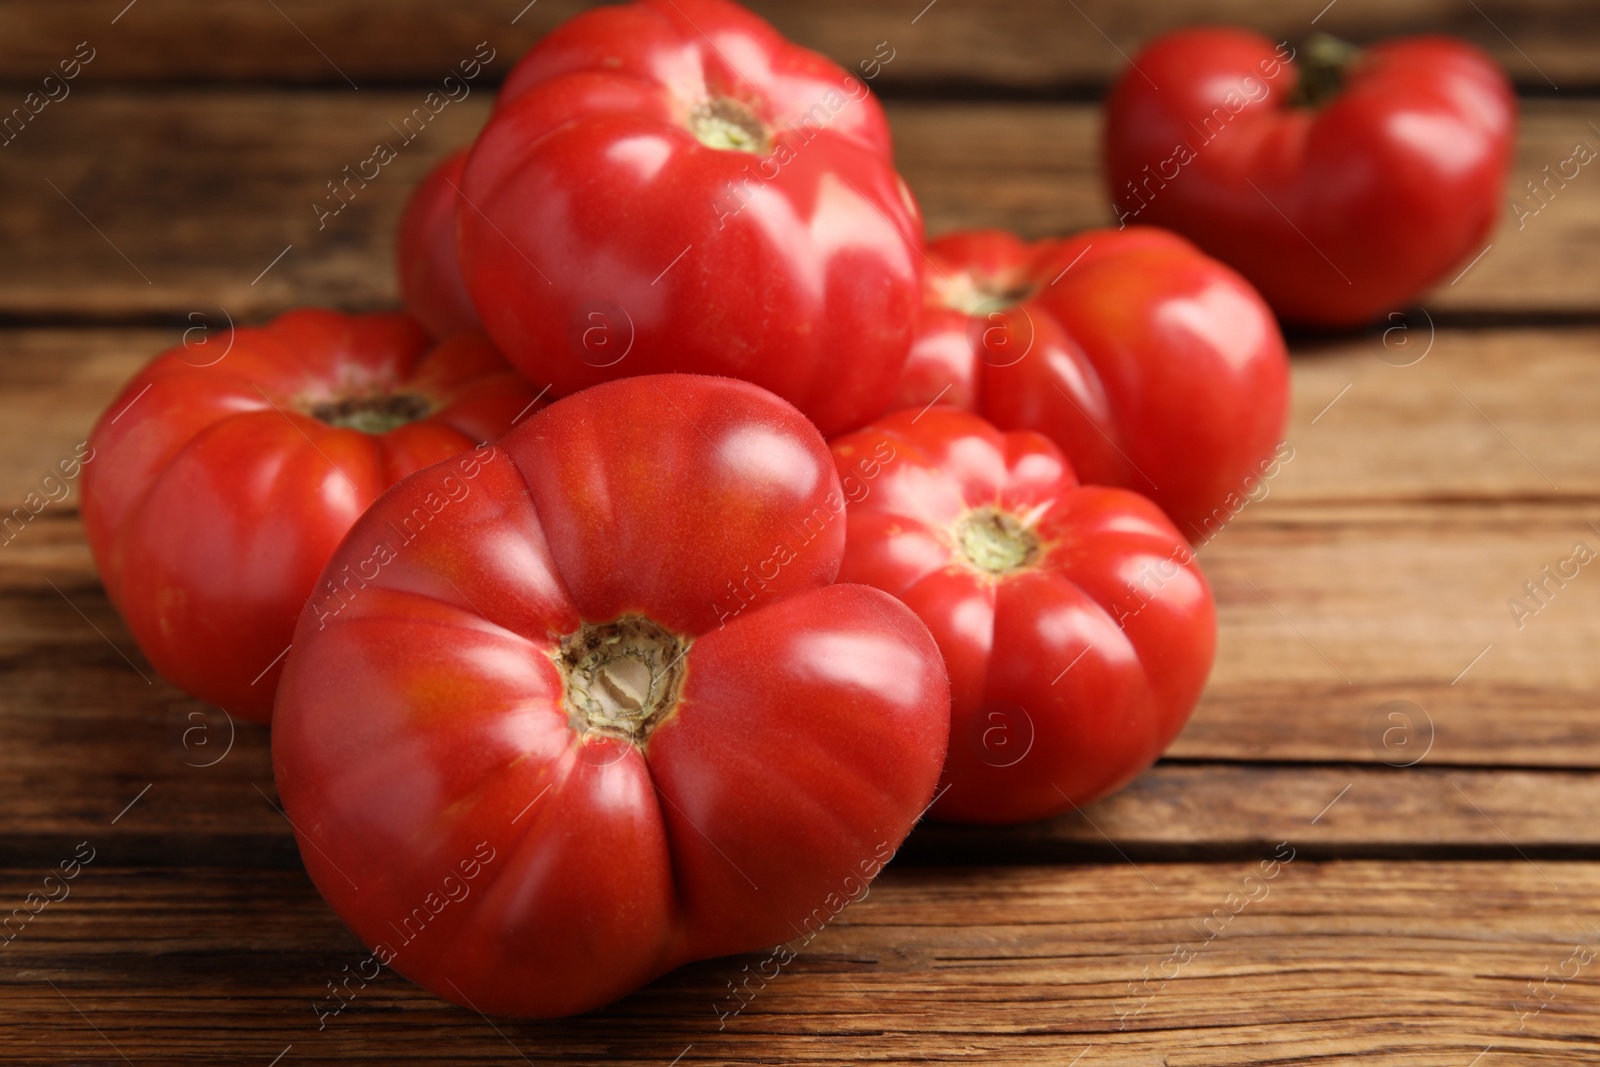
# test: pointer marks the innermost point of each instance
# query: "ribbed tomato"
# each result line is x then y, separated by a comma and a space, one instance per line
1150, 364
669, 185
1075, 622
605, 659
225, 474
1342, 181
430, 275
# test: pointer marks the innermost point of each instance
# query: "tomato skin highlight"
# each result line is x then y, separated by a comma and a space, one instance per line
670, 186
216, 495
435, 705
1151, 365
1075, 622
1338, 212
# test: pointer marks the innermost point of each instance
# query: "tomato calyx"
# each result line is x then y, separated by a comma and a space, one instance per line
974, 296
622, 678
996, 542
1324, 69
729, 125
372, 414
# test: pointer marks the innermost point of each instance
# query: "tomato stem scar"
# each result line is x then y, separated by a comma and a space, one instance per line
622, 678
995, 542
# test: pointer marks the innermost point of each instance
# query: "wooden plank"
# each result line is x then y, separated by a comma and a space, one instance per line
53, 385
171, 203
1485, 417
1379, 962
88, 724
1208, 811
90, 729
1413, 413
1327, 615
1420, 499
1323, 623
110, 226
1382, 563
1029, 44
88, 741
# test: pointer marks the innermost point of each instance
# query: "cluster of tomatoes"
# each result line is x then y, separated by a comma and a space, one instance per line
699, 528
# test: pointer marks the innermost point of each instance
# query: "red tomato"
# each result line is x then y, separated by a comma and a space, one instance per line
224, 476
671, 186
1074, 620
430, 277
1149, 364
1342, 185
608, 654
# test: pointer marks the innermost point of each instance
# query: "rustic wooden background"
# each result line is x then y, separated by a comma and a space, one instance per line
1442, 906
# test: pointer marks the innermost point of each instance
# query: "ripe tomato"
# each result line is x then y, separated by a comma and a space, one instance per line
430, 277
1343, 184
1074, 620
1149, 364
608, 654
225, 474
670, 185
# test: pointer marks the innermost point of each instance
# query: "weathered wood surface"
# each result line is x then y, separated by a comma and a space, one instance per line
1354, 599
97, 224
1323, 622
1384, 558
189, 788
1490, 419
1016, 44
1377, 963
87, 731
89, 725
1377, 706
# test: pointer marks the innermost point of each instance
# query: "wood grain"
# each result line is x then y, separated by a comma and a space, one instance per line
1376, 706
89, 725
135, 204
1410, 412
1380, 963
1008, 44
1488, 418
1382, 562
1324, 620
108, 228
1329, 614
92, 739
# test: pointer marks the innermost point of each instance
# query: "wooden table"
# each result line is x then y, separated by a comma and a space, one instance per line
1414, 763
